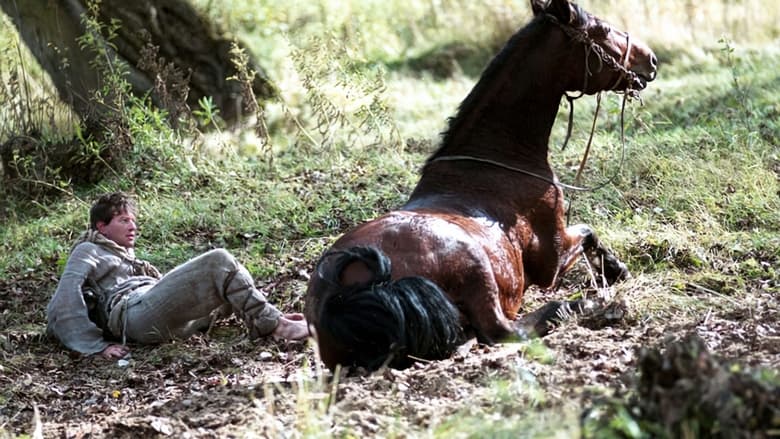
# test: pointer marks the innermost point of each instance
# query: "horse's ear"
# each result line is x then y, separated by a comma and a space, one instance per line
538, 6
561, 9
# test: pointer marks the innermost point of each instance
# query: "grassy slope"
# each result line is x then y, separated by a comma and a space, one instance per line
697, 201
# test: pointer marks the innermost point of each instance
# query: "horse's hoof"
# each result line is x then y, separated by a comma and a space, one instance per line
616, 272
623, 273
544, 319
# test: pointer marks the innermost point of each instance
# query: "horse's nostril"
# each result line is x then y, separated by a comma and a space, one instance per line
653, 61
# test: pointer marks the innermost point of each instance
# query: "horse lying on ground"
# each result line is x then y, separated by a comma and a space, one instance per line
486, 219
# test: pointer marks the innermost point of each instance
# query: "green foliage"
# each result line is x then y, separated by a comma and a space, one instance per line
345, 95
208, 114
98, 39
611, 419
740, 93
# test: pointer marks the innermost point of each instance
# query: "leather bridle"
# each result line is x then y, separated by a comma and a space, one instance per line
590, 46
622, 67
604, 58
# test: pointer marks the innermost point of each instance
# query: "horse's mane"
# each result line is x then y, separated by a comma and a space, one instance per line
525, 35
386, 322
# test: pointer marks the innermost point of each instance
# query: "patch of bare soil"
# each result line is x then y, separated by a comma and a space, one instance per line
221, 385
685, 388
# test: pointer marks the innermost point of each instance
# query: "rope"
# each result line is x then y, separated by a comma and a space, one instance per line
590, 140
448, 158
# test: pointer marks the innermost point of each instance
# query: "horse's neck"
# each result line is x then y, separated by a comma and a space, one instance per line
511, 118
506, 119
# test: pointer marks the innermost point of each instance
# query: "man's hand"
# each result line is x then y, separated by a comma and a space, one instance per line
291, 327
115, 352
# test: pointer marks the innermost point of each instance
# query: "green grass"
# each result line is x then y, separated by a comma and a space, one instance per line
697, 199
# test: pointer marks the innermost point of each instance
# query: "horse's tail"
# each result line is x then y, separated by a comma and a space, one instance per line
383, 322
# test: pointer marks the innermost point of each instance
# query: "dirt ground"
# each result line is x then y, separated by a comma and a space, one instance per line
221, 385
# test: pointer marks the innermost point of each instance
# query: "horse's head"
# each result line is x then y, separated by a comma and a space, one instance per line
612, 59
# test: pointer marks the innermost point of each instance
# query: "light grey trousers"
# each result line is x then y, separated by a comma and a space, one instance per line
183, 300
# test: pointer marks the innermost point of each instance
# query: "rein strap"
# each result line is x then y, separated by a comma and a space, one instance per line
554, 181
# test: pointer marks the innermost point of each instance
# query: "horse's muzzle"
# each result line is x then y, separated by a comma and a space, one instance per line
645, 71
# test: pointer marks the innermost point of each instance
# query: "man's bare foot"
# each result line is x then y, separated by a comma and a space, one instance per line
115, 352
291, 327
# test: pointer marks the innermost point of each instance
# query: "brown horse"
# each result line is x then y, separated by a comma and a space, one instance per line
486, 219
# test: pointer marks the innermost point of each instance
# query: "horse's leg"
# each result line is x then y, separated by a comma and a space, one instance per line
482, 310
582, 239
542, 320
478, 297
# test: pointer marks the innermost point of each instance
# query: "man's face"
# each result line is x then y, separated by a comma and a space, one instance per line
121, 229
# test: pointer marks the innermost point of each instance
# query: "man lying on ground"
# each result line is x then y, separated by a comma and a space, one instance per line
106, 296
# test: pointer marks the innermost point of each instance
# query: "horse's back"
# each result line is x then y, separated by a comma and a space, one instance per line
458, 253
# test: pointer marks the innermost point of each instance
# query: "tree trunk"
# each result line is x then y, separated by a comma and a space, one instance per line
166, 45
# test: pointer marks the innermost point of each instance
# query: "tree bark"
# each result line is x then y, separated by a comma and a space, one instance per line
169, 31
